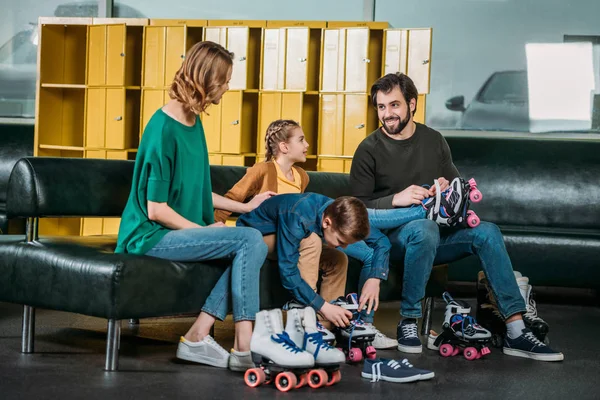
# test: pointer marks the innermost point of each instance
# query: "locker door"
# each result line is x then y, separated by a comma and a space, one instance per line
231, 122
115, 55
421, 107
96, 65
237, 42
331, 124
296, 58
357, 60
174, 52
331, 59
355, 122
395, 51
211, 122
419, 56
331, 165
273, 63
217, 35
270, 110
152, 100
115, 118
95, 117
154, 55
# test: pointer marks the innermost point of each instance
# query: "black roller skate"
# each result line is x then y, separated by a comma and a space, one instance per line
356, 340
452, 206
461, 332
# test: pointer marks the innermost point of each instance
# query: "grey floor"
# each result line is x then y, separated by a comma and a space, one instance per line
69, 361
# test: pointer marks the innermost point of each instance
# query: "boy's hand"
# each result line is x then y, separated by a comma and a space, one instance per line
369, 295
337, 315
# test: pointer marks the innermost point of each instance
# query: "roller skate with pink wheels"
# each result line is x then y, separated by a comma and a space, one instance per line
461, 332
277, 358
355, 340
301, 326
452, 206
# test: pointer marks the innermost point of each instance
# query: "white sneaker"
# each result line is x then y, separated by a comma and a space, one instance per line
206, 351
381, 341
240, 361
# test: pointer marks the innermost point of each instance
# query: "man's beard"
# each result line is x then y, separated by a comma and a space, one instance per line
401, 125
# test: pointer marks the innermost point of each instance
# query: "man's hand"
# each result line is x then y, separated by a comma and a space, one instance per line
258, 199
444, 184
370, 295
411, 195
337, 315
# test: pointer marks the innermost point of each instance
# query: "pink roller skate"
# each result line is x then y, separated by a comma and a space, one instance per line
451, 207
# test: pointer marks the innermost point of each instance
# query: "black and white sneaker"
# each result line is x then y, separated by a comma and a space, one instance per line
529, 346
408, 337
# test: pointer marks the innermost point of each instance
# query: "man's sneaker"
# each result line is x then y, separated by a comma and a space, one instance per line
381, 341
408, 338
206, 351
392, 371
240, 361
528, 346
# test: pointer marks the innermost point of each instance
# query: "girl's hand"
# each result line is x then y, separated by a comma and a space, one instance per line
258, 199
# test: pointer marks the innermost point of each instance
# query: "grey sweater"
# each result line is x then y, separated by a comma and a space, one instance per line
382, 166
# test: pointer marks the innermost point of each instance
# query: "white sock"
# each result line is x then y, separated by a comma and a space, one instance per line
240, 353
515, 329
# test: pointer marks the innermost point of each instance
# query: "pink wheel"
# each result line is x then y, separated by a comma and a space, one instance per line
355, 355
370, 352
456, 351
334, 378
475, 196
317, 378
286, 381
470, 353
446, 350
472, 219
473, 183
254, 377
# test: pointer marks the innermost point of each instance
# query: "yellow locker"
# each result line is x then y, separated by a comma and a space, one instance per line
211, 122
331, 124
95, 121
175, 49
339, 165
152, 100
61, 116
355, 122
215, 159
285, 59
296, 58
421, 108
63, 51
357, 59
239, 113
238, 160
396, 51
333, 61
419, 56
273, 65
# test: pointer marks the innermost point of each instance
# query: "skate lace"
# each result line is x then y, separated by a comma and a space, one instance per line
532, 311
409, 330
316, 339
286, 341
531, 337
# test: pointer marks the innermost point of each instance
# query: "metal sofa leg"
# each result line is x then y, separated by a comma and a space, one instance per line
112, 345
28, 329
134, 321
427, 316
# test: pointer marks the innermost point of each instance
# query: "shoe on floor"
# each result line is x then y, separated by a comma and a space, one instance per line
381, 341
408, 338
528, 346
390, 371
206, 351
240, 361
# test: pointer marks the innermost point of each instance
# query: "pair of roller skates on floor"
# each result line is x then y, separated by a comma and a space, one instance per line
452, 206
461, 332
489, 316
293, 357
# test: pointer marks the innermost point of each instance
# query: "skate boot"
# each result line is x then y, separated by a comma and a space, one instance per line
356, 340
328, 336
276, 356
537, 325
460, 332
301, 326
451, 207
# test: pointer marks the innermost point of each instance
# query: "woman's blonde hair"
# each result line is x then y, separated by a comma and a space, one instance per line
200, 77
279, 131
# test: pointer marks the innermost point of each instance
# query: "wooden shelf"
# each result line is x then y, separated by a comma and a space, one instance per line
63, 86
58, 147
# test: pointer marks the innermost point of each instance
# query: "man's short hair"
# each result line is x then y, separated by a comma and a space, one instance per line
388, 82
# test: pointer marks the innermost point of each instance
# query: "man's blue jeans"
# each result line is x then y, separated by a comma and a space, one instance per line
240, 281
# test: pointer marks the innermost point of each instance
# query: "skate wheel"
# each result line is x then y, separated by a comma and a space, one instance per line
334, 378
255, 377
472, 219
473, 183
446, 350
302, 382
485, 351
475, 196
286, 381
317, 378
354, 355
370, 352
470, 353
456, 351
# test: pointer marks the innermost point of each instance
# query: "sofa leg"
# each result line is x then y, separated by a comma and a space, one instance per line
134, 321
112, 345
427, 316
28, 329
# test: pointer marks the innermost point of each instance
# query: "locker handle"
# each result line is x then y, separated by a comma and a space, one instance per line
183, 56
236, 122
302, 59
360, 126
366, 60
425, 62
242, 59
122, 54
119, 118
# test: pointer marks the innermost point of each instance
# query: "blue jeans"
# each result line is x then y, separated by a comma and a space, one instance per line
383, 220
419, 245
240, 281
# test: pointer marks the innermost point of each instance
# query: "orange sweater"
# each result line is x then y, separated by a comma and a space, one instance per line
259, 178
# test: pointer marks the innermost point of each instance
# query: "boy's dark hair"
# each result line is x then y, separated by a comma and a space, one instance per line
399, 80
349, 218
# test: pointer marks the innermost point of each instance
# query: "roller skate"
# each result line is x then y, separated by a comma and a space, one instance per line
355, 340
277, 358
451, 207
461, 333
328, 336
301, 326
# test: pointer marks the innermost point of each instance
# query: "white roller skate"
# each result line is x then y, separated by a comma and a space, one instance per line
356, 340
275, 354
328, 336
301, 326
